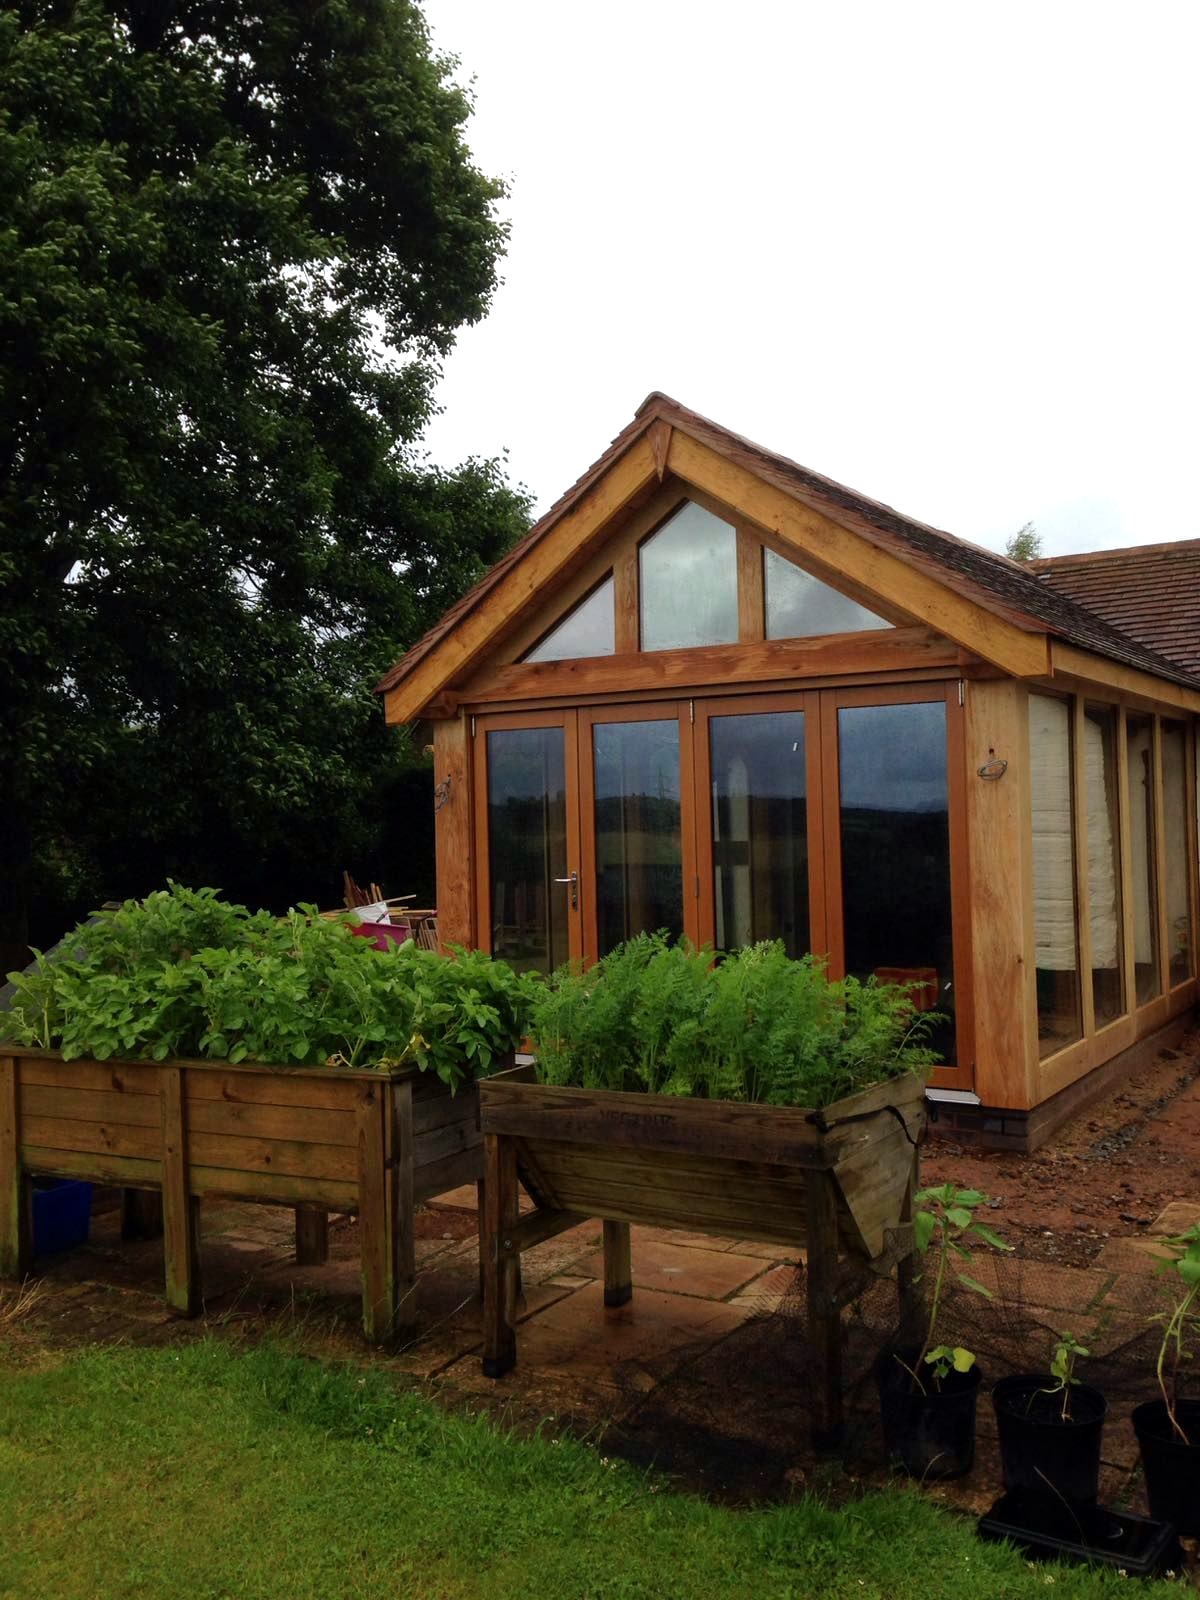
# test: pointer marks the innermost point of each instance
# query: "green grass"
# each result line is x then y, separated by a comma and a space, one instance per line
210, 1473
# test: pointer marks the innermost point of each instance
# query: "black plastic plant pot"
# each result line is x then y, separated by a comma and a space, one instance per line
1172, 1467
1041, 1451
932, 1434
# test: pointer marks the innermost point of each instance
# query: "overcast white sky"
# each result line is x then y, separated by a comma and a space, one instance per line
945, 253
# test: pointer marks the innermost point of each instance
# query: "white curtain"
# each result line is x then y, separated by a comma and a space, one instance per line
1053, 842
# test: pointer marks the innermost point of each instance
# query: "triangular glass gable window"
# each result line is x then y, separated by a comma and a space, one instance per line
688, 582
799, 606
588, 630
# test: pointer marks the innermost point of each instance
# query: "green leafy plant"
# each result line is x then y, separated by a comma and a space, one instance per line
1182, 1322
185, 974
666, 1018
1067, 1351
944, 1217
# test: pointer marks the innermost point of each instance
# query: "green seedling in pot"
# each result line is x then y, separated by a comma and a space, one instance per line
1182, 1322
1067, 1351
943, 1219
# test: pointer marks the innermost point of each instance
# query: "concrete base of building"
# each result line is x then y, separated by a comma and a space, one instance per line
998, 1128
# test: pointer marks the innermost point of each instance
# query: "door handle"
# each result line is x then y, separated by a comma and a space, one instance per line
573, 880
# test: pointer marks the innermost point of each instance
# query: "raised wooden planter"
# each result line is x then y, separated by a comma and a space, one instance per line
837, 1183
317, 1139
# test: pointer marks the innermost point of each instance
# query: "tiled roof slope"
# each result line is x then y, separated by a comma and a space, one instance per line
1151, 592
991, 580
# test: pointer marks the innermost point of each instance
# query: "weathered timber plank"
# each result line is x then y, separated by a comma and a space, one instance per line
290, 1158
437, 1143
105, 1077
660, 1207
180, 1213
451, 1172
98, 1168
701, 1172
272, 1188
16, 1219
537, 1227
268, 1088
435, 1107
281, 1072
312, 1124
113, 1139
89, 1105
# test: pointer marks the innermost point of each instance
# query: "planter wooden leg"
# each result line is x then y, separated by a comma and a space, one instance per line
16, 1191
385, 1162
824, 1315
908, 1291
618, 1264
312, 1236
481, 1225
501, 1210
181, 1222
141, 1214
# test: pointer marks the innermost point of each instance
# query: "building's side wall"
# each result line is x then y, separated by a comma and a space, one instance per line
1001, 893
452, 797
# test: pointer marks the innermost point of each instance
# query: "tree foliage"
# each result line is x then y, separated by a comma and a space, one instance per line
1025, 544
238, 241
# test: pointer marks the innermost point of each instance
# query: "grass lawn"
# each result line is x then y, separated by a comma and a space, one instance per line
210, 1473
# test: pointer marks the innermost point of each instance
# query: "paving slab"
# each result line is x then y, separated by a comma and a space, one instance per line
680, 1269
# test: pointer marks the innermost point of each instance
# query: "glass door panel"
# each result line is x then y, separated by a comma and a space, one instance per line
636, 815
894, 839
527, 889
759, 823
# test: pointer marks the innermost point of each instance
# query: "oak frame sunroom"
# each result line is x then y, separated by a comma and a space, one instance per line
714, 692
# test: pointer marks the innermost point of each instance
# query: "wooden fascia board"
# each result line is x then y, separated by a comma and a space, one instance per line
578, 528
818, 536
1067, 660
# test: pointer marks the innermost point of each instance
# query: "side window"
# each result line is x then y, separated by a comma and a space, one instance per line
688, 582
588, 630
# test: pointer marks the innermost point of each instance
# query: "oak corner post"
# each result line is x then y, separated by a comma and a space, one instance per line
16, 1200
500, 1257
181, 1231
385, 1178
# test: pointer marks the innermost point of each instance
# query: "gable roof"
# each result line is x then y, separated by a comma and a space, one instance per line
1150, 592
992, 581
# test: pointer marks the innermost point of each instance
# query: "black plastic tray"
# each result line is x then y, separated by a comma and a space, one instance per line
1050, 1531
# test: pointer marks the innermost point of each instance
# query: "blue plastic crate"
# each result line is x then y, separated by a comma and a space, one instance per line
62, 1215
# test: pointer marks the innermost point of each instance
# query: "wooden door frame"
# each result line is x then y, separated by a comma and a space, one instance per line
750, 705
947, 692
670, 710
516, 721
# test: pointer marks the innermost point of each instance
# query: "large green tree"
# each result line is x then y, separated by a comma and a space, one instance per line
237, 240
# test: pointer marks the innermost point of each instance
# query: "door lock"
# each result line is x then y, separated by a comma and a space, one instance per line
573, 880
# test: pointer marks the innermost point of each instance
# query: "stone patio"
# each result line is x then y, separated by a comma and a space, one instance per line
582, 1364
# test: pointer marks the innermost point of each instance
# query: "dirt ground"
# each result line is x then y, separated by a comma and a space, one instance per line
1106, 1175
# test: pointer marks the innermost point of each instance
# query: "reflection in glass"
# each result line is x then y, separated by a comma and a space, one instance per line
589, 630
1056, 944
759, 821
1104, 863
895, 825
800, 606
1176, 878
688, 577
1139, 743
639, 866
527, 847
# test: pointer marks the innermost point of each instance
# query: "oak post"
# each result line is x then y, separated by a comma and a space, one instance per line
402, 1256
312, 1236
16, 1199
180, 1218
141, 1214
618, 1264
824, 1317
499, 1265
